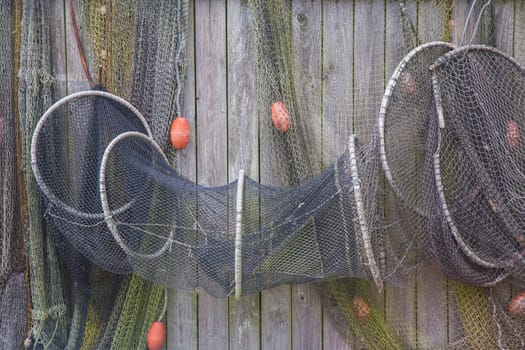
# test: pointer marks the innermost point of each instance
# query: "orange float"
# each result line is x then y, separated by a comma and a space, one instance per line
513, 134
156, 336
280, 116
360, 308
517, 305
180, 133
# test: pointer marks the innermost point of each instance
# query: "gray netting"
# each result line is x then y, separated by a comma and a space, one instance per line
478, 160
160, 222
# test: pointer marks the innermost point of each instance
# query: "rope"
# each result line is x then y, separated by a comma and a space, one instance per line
79, 44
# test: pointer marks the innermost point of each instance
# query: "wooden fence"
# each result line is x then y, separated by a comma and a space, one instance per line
332, 43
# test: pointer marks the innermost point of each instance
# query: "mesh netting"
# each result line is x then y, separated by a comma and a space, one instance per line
417, 185
161, 222
12, 258
478, 158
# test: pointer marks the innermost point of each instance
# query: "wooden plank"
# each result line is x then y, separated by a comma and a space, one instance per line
431, 18
400, 301
243, 151
276, 331
76, 79
212, 148
337, 78
504, 25
431, 285
182, 314
369, 74
306, 30
337, 117
276, 318
483, 33
58, 30
519, 32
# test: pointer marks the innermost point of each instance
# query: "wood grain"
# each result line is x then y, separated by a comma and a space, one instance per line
337, 102
243, 151
306, 24
212, 149
182, 314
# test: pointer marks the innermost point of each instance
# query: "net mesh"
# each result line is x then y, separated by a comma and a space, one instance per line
12, 257
419, 184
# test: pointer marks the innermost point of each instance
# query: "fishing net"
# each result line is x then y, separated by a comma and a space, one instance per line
417, 185
97, 310
478, 159
160, 222
12, 254
153, 33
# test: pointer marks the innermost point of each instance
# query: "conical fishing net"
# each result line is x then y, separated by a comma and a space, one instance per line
159, 222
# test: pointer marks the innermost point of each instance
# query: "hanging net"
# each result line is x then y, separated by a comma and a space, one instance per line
478, 158
434, 179
161, 223
13, 297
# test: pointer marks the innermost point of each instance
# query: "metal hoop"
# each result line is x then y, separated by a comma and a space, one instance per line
108, 214
40, 125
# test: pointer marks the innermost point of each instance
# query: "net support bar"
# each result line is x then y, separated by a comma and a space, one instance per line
371, 262
238, 235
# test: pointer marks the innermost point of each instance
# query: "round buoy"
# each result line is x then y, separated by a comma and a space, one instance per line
360, 308
156, 336
513, 134
517, 305
180, 133
280, 116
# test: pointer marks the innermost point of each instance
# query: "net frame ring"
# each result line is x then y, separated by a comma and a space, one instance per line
385, 103
48, 114
455, 54
108, 213
371, 262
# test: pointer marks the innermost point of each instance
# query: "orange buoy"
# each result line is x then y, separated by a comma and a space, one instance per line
513, 134
280, 116
517, 305
407, 83
156, 336
180, 133
360, 308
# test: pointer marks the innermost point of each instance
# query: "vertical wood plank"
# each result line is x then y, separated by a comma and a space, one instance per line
431, 18
306, 20
58, 30
483, 33
519, 32
504, 25
243, 150
276, 332
369, 75
76, 79
432, 323
337, 112
212, 148
276, 318
182, 312
400, 301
